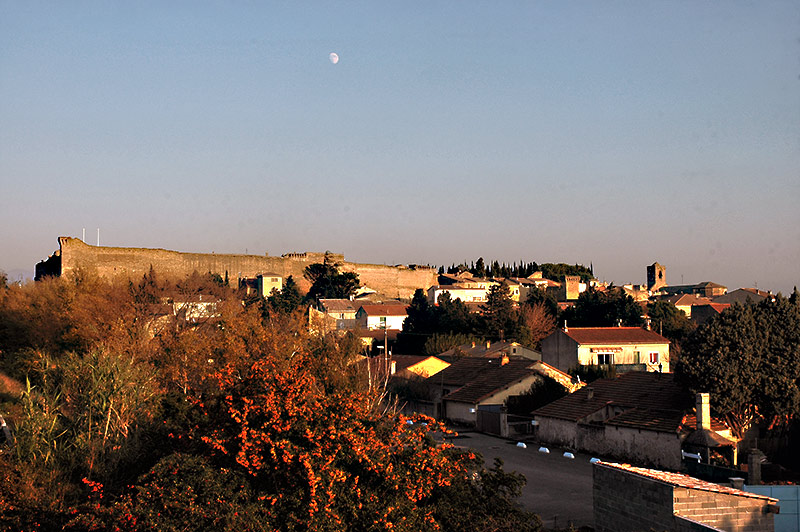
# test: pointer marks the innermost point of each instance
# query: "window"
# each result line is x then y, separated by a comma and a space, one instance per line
383, 321
654, 358
637, 357
605, 359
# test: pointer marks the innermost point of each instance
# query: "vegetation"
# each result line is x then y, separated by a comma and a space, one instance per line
133, 418
327, 282
603, 309
748, 359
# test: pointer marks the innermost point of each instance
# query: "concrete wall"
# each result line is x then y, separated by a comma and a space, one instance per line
560, 351
627, 354
391, 281
659, 449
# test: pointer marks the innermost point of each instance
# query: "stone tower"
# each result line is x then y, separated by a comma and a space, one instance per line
656, 277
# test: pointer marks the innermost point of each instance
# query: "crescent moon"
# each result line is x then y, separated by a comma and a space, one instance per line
334, 57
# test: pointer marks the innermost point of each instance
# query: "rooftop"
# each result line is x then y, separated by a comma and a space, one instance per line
682, 481
614, 335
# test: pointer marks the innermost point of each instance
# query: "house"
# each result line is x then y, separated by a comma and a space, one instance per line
632, 499
381, 316
193, 308
341, 310
703, 313
638, 416
490, 350
741, 295
685, 302
704, 289
267, 282
626, 348
470, 383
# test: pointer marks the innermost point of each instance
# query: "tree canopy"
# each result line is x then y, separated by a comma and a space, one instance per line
748, 359
327, 282
132, 420
603, 309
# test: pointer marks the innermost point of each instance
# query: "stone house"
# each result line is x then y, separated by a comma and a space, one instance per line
637, 416
626, 348
634, 499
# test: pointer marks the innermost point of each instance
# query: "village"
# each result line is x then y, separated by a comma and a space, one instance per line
561, 366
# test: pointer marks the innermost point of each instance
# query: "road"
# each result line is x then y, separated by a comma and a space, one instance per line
559, 489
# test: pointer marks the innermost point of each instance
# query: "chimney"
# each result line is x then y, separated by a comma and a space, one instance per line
488, 344
703, 412
394, 368
504, 359
473, 345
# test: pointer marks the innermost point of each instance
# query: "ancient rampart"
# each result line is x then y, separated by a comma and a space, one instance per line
73, 254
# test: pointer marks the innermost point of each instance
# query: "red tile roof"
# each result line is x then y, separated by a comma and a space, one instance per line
614, 335
385, 309
682, 481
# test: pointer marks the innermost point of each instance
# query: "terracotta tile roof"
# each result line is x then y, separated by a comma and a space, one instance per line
683, 481
561, 377
464, 370
614, 335
656, 393
657, 420
492, 378
687, 299
406, 361
385, 309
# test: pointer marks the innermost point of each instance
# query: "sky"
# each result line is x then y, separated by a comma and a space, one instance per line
608, 133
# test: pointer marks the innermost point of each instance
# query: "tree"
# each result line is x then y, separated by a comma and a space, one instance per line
501, 320
480, 268
537, 322
286, 300
327, 282
748, 359
539, 296
603, 309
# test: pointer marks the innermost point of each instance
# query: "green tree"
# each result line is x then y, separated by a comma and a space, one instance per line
538, 296
327, 282
500, 318
286, 300
603, 309
748, 359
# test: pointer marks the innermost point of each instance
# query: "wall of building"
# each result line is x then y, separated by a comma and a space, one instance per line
723, 510
627, 502
630, 503
560, 351
73, 254
626, 354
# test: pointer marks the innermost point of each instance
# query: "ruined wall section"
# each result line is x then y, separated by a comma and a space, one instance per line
390, 281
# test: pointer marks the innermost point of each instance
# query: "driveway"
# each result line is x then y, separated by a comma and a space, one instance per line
559, 489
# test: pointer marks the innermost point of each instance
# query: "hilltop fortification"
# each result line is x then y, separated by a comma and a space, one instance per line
74, 255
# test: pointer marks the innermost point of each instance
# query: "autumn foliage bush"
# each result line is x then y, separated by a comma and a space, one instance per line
134, 420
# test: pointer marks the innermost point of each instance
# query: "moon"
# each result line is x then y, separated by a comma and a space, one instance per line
334, 57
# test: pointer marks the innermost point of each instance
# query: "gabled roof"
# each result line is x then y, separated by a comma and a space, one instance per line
682, 481
385, 309
656, 393
465, 370
482, 349
687, 300
337, 305
614, 335
741, 295
492, 378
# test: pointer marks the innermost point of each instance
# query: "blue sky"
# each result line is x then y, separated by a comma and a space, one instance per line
616, 133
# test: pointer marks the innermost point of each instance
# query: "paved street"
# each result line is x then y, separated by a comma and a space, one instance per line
559, 489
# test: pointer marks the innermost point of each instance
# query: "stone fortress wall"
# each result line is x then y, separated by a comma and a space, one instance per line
73, 255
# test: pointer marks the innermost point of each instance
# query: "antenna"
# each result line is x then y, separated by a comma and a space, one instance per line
98, 237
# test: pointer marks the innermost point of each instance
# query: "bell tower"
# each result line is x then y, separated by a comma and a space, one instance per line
656, 277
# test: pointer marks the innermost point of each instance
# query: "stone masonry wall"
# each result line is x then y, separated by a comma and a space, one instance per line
390, 281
